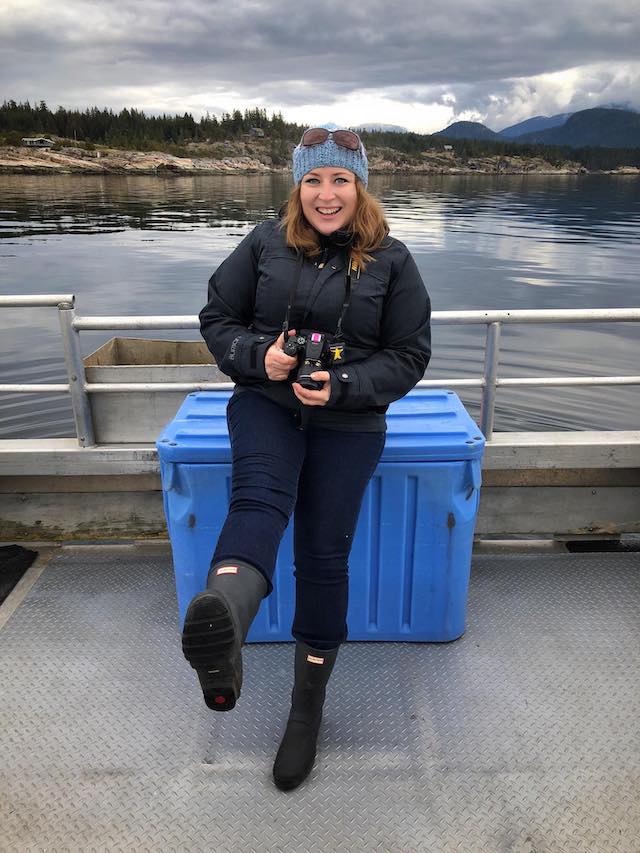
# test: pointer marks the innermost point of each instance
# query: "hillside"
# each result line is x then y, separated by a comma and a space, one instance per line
468, 130
600, 127
533, 125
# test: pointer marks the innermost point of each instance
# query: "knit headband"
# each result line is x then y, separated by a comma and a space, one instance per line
309, 157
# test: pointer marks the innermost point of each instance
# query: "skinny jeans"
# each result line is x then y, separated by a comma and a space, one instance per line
320, 475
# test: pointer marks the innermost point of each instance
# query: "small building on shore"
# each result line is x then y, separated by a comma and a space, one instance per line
37, 142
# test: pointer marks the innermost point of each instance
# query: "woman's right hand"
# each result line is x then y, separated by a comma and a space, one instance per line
277, 364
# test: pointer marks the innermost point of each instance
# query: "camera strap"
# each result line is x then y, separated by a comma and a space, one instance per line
353, 269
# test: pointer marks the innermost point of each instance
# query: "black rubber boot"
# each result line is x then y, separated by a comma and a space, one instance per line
297, 750
215, 627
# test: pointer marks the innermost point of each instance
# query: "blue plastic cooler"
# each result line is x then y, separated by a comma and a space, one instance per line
411, 557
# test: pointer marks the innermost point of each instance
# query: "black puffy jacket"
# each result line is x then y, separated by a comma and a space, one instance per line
386, 328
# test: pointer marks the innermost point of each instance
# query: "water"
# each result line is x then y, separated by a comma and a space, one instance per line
146, 245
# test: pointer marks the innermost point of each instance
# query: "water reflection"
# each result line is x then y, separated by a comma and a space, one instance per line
147, 245
69, 204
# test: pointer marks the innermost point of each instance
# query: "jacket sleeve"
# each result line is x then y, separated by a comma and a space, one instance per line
405, 348
225, 321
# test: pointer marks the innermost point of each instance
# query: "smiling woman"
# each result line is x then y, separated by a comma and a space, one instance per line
322, 320
330, 170
328, 198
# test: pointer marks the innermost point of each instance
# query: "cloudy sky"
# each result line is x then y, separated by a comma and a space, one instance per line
421, 65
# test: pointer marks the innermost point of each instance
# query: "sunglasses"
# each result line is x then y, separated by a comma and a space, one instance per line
343, 138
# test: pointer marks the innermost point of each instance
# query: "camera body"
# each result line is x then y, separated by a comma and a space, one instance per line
316, 352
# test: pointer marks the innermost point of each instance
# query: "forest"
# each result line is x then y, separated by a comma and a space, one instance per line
132, 129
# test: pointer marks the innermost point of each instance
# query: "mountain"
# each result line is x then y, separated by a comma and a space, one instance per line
532, 125
604, 127
467, 130
599, 127
381, 128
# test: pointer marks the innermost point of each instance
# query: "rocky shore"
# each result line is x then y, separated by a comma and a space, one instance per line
255, 158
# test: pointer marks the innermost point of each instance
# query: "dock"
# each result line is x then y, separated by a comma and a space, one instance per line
523, 735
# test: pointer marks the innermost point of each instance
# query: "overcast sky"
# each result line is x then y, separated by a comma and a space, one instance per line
421, 65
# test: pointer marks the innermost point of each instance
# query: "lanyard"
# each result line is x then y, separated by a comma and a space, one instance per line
352, 269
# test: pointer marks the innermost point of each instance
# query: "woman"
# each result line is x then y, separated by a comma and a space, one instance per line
325, 285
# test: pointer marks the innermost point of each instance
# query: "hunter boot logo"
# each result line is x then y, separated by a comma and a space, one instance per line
227, 570
313, 659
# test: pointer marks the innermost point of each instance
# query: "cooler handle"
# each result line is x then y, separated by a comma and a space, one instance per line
473, 477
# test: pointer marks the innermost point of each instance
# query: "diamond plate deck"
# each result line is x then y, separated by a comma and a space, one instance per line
521, 736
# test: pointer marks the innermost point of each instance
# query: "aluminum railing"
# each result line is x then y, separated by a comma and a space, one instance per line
71, 325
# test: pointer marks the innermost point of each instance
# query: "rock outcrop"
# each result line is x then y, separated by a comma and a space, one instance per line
254, 158
114, 161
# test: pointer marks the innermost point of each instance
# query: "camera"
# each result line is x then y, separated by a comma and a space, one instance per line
316, 352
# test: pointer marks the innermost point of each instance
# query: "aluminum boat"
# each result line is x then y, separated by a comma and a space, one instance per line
523, 735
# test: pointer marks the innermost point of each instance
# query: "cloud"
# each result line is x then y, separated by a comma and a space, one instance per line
503, 62
510, 101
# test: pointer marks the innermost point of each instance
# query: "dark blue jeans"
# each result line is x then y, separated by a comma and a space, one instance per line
320, 473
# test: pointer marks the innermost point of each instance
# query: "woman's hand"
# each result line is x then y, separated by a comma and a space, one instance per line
277, 364
314, 398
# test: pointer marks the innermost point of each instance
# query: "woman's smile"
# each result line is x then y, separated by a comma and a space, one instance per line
329, 198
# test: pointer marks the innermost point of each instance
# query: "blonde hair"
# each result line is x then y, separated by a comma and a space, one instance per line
368, 227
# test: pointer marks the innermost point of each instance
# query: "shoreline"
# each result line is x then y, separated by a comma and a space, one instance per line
245, 159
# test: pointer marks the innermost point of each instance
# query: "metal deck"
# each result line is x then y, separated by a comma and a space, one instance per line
521, 736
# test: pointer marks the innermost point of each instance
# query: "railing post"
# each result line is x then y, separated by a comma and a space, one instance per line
75, 371
491, 356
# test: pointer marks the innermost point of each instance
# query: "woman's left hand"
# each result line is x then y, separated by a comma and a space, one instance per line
314, 398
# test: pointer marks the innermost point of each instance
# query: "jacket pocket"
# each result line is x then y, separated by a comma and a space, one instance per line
275, 275
364, 316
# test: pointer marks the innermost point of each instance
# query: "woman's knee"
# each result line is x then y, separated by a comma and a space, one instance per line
319, 573
263, 502
328, 554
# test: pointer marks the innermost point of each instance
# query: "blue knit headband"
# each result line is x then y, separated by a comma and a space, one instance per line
309, 157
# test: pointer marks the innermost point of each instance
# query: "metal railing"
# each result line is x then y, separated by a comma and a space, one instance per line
71, 325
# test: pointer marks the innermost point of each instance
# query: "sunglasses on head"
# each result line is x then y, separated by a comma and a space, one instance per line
343, 138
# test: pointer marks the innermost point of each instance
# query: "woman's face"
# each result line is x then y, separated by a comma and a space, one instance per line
329, 198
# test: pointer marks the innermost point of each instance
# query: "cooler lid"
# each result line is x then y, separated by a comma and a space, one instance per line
426, 425
198, 433
431, 425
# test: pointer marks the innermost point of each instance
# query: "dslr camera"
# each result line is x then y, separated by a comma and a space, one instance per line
315, 352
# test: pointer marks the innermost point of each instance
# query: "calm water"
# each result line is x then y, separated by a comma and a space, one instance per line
144, 245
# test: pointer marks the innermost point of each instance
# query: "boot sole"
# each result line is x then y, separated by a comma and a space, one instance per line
210, 644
